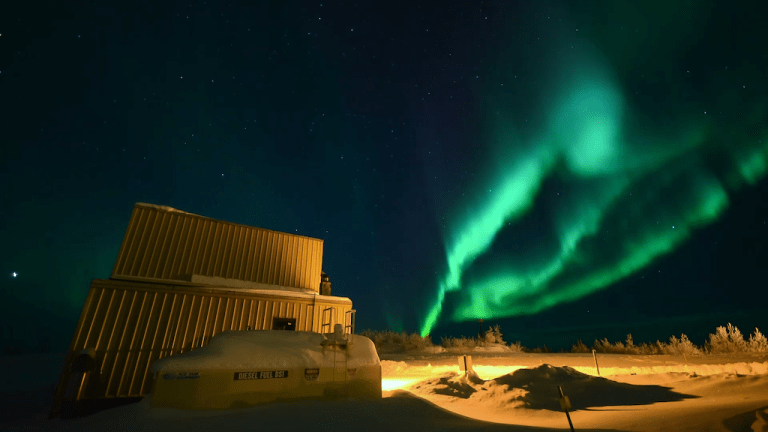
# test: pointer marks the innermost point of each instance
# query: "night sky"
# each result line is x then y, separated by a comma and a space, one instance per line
568, 170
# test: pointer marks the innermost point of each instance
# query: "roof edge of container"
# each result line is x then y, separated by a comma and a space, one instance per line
168, 209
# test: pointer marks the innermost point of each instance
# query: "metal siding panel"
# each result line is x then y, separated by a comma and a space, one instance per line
275, 261
162, 324
157, 246
202, 246
248, 262
215, 318
237, 256
285, 264
189, 316
304, 272
278, 255
199, 322
91, 307
265, 315
227, 251
254, 312
191, 237
148, 247
282, 260
306, 263
312, 246
236, 263
268, 258
235, 315
139, 372
230, 264
299, 317
217, 254
134, 344
221, 252
261, 262
170, 323
318, 267
300, 263
254, 260
226, 320
142, 231
110, 324
244, 314
118, 335
211, 243
293, 262
208, 317
300, 257
179, 325
170, 263
313, 269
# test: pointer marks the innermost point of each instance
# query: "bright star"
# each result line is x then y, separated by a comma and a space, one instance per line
15, 274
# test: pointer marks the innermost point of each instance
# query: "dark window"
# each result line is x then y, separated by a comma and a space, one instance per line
283, 323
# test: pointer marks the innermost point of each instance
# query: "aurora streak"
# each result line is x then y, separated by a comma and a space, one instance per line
626, 195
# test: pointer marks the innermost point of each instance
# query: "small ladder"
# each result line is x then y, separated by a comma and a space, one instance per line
329, 322
349, 321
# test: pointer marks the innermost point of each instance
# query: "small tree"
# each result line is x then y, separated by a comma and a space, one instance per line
681, 346
758, 342
728, 340
494, 336
579, 347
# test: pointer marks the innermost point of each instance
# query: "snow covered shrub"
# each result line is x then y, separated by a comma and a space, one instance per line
494, 336
516, 347
579, 347
681, 346
603, 346
629, 346
758, 342
415, 341
728, 340
389, 341
463, 342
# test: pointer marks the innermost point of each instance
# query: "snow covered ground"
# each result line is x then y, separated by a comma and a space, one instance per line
426, 392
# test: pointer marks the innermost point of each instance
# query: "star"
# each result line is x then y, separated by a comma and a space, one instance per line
14, 274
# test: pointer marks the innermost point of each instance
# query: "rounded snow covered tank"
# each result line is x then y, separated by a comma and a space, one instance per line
242, 368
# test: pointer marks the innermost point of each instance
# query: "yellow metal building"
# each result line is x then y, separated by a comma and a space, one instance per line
180, 279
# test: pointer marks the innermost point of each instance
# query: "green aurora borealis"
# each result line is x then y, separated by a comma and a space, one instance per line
627, 192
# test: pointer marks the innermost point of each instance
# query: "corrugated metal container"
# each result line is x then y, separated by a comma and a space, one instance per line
162, 243
127, 325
